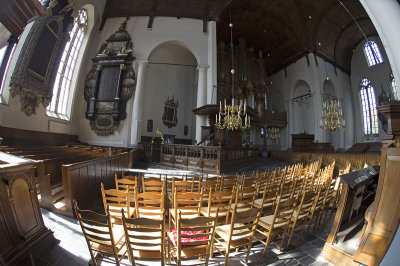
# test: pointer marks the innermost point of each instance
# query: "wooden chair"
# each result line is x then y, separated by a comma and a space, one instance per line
129, 183
268, 200
228, 182
187, 202
179, 186
193, 237
221, 201
300, 214
239, 233
103, 240
277, 223
152, 184
206, 187
149, 204
244, 198
145, 238
114, 200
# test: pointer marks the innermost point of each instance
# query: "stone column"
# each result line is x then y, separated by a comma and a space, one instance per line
212, 61
136, 127
201, 120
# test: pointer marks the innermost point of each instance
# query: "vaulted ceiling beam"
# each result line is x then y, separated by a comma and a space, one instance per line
344, 29
308, 42
152, 14
206, 17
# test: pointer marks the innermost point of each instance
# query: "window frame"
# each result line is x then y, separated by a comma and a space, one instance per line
394, 88
5, 62
372, 53
368, 108
61, 104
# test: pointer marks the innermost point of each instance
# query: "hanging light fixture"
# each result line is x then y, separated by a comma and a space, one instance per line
332, 116
232, 117
273, 133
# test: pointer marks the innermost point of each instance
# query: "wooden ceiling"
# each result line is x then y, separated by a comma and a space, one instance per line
288, 29
199, 9
285, 30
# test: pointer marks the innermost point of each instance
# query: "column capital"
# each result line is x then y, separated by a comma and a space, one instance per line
142, 62
202, 67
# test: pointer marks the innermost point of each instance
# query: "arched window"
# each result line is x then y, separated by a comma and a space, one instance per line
372, 53
60, 105
368, 101
394, 88
265, 101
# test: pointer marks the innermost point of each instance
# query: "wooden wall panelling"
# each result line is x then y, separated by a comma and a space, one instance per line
385, 215
21, 223
20, 137
82, 180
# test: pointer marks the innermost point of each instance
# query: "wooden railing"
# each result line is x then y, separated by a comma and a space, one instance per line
207, 159
151, 152
357, 161
82, 180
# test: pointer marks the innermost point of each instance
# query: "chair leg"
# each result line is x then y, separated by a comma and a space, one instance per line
226, 256
266, 244
248, 252
283, 240
290, 237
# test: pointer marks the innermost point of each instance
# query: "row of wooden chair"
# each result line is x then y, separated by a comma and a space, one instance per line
270, 203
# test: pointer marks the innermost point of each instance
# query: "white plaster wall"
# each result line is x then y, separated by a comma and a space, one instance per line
170, 73
309, 114
379, 75
183, 32
10, 107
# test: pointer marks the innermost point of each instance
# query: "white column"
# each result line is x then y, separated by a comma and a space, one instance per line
201, 120
136, 127
384, 15
212, 61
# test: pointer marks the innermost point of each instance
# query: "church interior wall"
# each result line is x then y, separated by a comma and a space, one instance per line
185, 32
300, 77
378, 75
10, 109
170, 74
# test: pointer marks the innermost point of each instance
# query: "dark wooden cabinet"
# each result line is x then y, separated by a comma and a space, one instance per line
21, 222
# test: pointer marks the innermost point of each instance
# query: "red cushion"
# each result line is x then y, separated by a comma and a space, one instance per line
187, 240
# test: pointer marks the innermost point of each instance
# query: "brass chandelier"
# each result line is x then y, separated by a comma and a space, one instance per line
273, 133
332, 116
232, 117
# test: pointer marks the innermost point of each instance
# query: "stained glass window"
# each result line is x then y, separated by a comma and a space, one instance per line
368, 102
60, 103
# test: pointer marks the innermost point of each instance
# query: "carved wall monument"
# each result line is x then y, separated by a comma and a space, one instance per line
169, 117
37, 64
110, 83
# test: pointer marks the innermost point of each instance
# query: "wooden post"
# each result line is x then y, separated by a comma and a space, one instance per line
385, 215
46, 198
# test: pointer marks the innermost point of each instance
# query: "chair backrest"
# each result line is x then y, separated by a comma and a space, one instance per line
283, 212
188, 202
145, 238
228, 182
221, 201
151, 184
270, 194
249, 180
305, 206
114, 200
196, 181
129, 183
244, 225
149, 204
245, 198
98, 232
195, 235
207, 186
